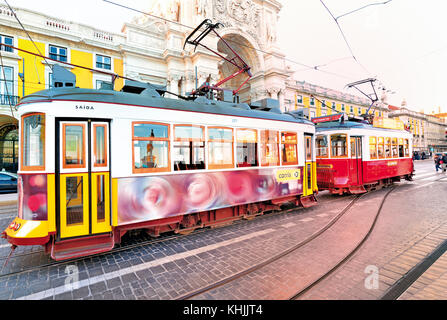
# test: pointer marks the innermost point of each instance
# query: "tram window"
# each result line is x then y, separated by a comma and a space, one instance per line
269, 148
338, 145
401, 148
407, 148
73, 145
373, 147
33, 142
353, 151
381, 147
322, 146
388, 147
246, 148
220, 148
289, 148
150, 147
394, 148
189, 148
100, 145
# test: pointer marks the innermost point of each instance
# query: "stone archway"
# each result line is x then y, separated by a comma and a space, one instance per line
246, 50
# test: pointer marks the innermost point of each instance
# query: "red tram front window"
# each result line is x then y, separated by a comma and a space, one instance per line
246, 148
395, 148
150, 147
381, 147
388, 147
407, 148
269, 148
289, 142
322, 146
373, 147
339, 145
33, 142
401, 148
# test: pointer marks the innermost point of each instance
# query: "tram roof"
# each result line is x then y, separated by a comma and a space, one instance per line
148, 99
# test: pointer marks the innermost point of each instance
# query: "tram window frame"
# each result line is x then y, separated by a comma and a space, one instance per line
95, 145
289, 143
245, 163
343, 147
373, 143
318, 146
81, 154
194, 143
388, 154
353, 147
401, 148
394, 148
155, 139
211, 155
267, 141
39, 167
380, 147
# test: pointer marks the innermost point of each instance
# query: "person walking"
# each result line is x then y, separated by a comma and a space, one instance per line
438, 162
444, 162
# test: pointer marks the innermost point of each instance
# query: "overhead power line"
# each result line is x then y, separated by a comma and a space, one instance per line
307, 66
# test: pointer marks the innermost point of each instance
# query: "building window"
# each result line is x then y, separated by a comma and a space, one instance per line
333, 106
246, 148
312, 101
342, 107
7, 85
299, 99
105, 85
58, 53
351, 109
103, 62
189, 147
312, 114
220, 148
150, 147
6, 40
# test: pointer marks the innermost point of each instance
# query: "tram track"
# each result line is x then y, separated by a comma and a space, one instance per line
272, 259
290, 250
403, 284
140, 244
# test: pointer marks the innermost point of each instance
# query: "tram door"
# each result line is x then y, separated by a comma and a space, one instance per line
308, 176
356, 167
83, 185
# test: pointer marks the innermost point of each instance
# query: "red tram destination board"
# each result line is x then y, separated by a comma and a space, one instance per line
334, 117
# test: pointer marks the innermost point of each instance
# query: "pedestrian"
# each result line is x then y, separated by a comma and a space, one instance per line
438, 163
444, 162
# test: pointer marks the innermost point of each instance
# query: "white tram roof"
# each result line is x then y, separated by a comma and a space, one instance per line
152, 99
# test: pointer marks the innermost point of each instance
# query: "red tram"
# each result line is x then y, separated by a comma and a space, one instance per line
354, 156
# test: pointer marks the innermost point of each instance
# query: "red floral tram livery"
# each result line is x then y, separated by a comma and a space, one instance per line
354, 156
95, 164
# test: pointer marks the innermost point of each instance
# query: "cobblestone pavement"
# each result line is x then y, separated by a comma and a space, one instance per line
169, 269
412, 224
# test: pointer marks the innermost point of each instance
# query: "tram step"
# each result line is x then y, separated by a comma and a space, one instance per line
357, 189
74, 248
308, 201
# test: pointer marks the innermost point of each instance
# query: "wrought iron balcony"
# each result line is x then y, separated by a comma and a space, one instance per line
6, 100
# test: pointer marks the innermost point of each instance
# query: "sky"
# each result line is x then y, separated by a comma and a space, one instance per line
401, 43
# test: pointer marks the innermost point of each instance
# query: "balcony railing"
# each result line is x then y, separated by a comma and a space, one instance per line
6, 100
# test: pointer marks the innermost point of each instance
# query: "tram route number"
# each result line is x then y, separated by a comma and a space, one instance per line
243, 310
